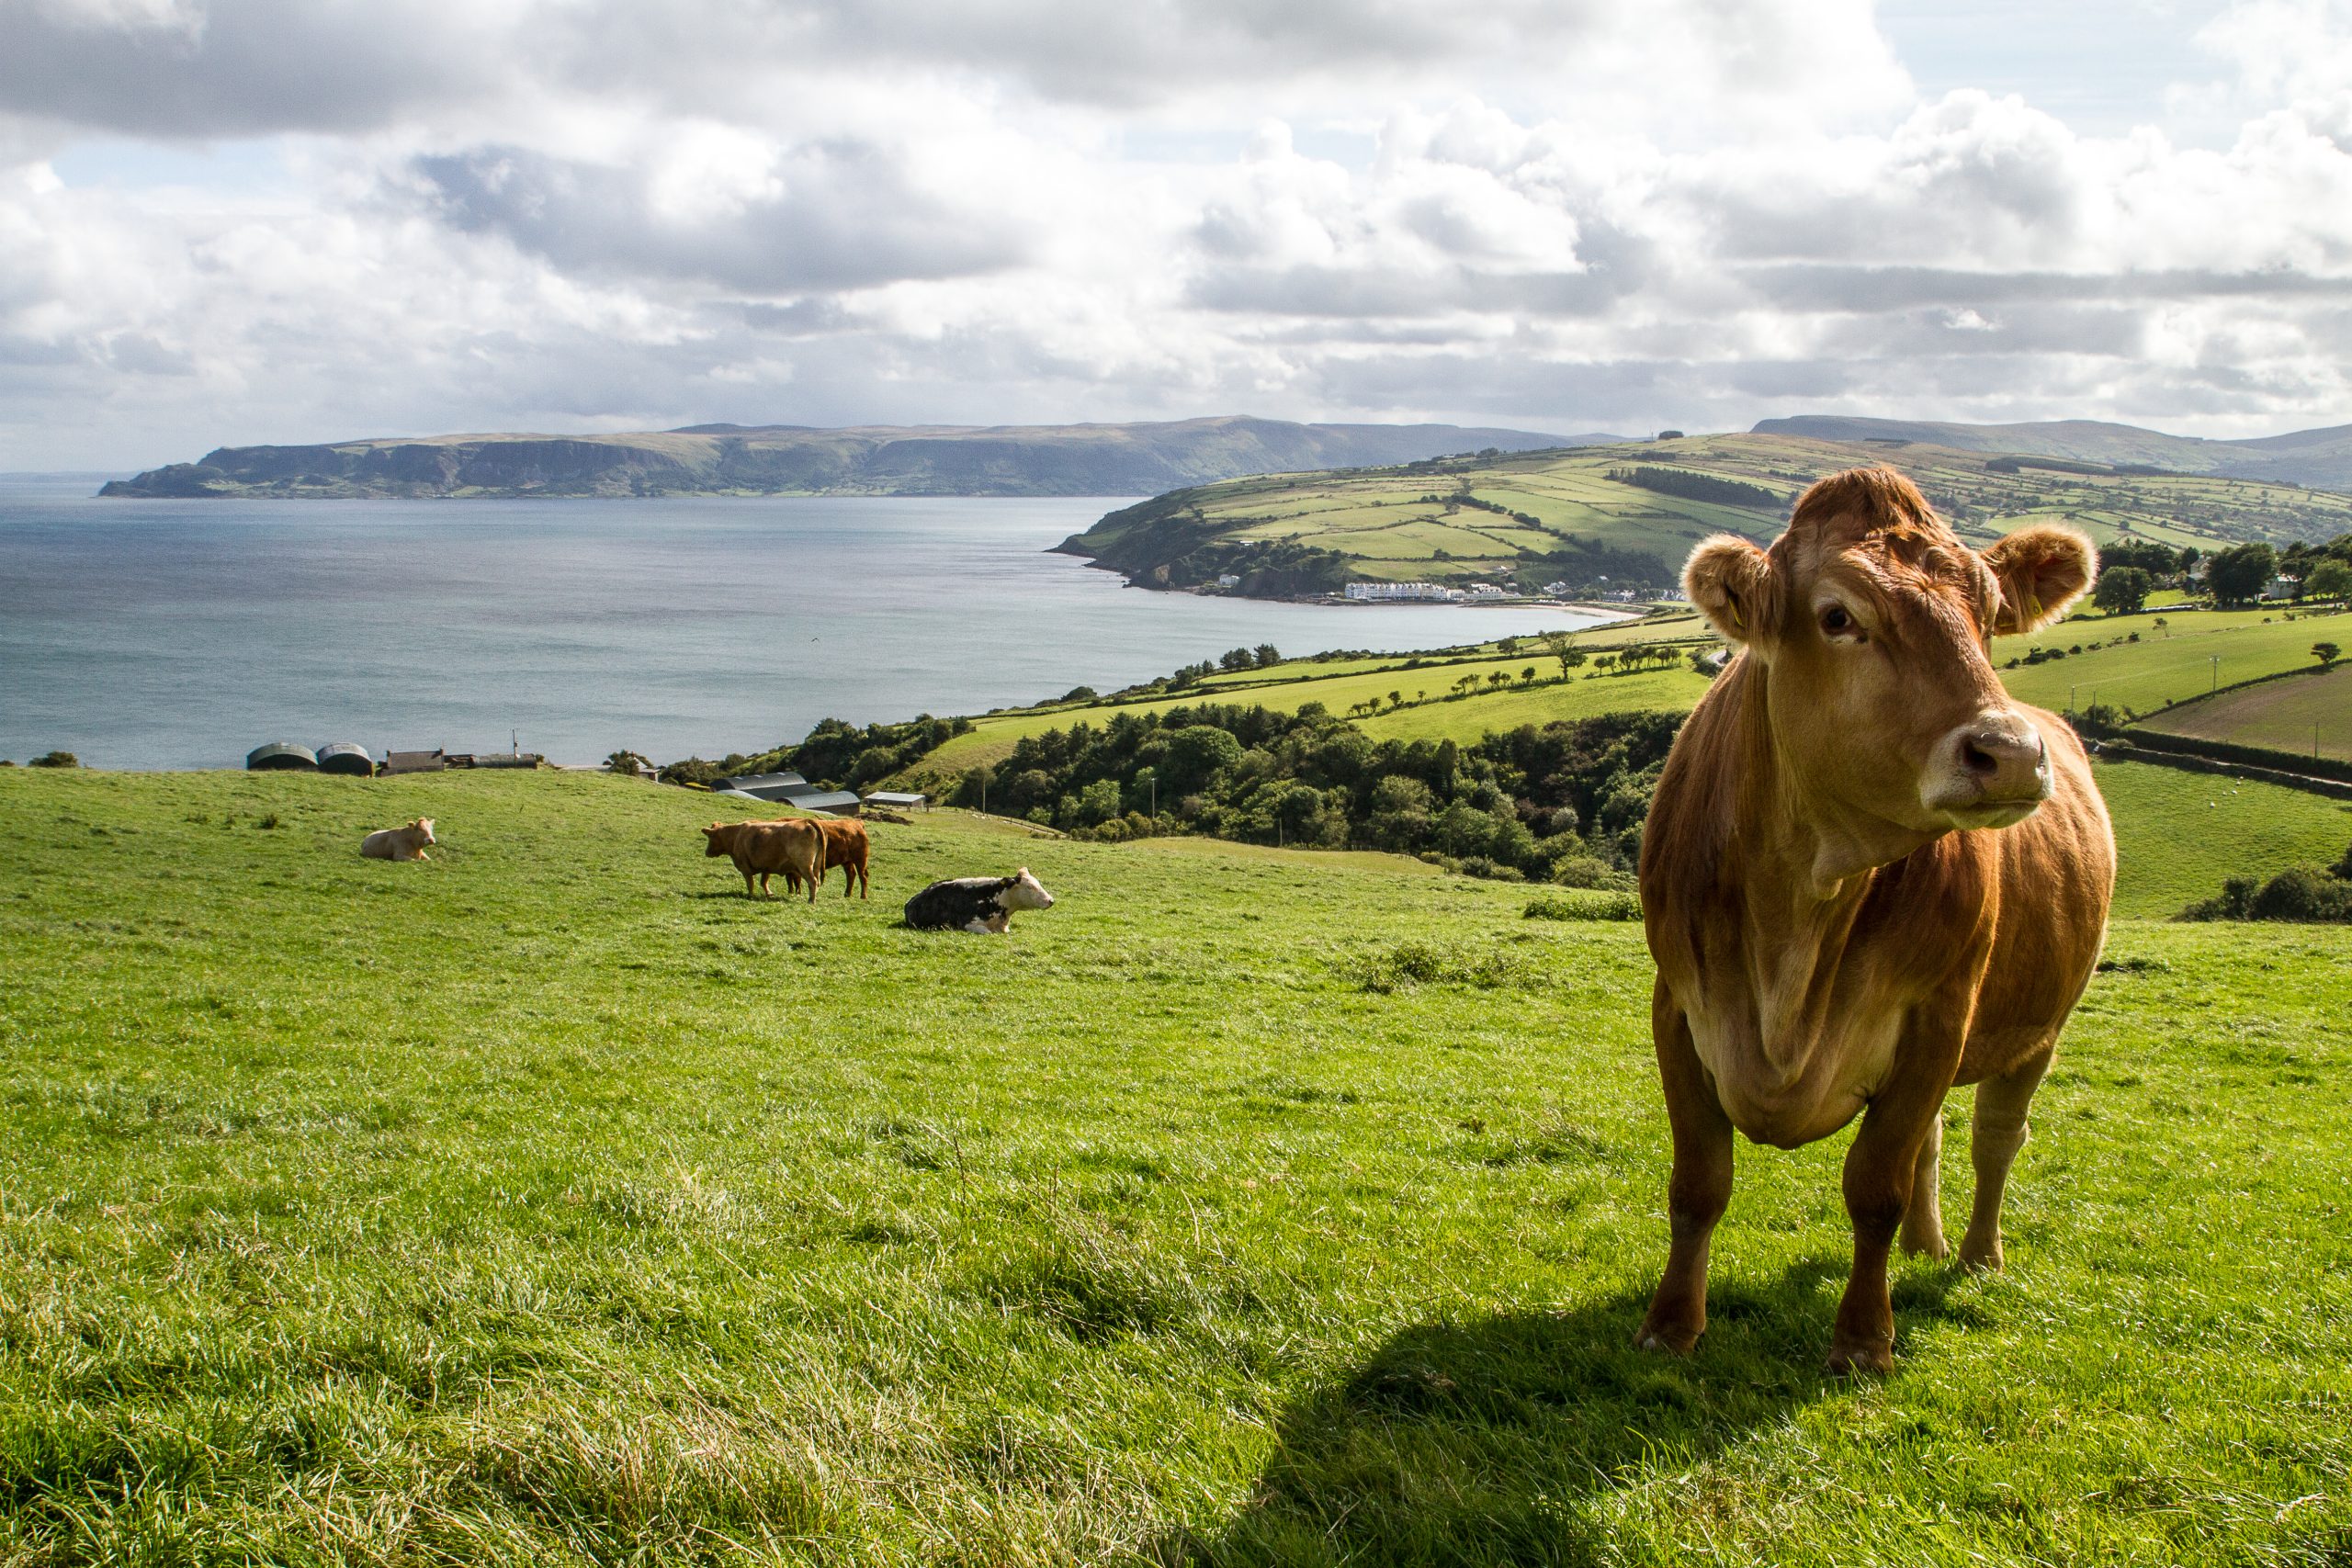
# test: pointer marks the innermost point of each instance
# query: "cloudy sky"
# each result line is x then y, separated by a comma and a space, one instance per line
235, 221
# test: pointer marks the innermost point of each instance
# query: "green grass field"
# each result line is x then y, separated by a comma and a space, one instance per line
2305, 716
1434, 522
550, 1201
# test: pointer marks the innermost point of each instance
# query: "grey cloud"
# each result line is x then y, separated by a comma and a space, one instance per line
1809, 287
847, 217
254, 67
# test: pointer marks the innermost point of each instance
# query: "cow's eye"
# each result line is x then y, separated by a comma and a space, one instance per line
1836, 621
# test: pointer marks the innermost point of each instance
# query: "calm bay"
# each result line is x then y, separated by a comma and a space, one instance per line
162, 633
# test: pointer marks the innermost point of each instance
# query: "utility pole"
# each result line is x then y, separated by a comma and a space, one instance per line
2217, 675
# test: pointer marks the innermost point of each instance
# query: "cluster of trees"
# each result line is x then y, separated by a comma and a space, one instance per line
1700, 486
1564, 802
2131, 570
836, 753
2302, 893
48, 760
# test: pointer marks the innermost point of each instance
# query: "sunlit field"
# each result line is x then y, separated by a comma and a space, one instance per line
552, 1201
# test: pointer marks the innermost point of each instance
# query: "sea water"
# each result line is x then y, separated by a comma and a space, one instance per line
182, 634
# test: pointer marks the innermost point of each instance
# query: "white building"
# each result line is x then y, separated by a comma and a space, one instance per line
1390, 592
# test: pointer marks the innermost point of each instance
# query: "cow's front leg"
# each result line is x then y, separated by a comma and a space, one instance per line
1999, 1132
1699, 1188
1879, 1169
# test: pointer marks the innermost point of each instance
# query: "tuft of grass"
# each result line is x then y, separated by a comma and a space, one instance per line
1591, 906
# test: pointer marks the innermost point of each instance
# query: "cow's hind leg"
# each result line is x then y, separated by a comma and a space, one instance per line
1698, 1191
1923, 1220
1999, 1132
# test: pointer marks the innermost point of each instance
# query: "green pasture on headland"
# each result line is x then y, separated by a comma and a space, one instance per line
1586, 514
551, 1202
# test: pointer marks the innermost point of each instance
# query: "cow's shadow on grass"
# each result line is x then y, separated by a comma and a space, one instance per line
1490, 1441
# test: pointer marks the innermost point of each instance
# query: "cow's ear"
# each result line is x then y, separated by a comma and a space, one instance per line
2040, 571
1731, 581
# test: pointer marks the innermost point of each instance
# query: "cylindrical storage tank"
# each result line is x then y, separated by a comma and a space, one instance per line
347, 757
281, 756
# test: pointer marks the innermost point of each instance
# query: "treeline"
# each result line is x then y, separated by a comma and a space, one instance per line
1700, 486
836, 753
2300, 893
1563, 802
2131, 570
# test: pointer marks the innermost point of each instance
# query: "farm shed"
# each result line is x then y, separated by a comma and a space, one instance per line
281, 756
836, 800
896, 800
430, 761
767, 786
347, 757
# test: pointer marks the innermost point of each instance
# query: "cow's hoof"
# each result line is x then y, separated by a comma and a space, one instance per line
1981, 1259
1925, 1246
1667, 1338
1869, 1359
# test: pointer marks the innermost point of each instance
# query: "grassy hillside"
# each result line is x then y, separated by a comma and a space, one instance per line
2169, 664
551, 1202
2301, 716
1424, 682
731, 459
1579, 515
2321, 457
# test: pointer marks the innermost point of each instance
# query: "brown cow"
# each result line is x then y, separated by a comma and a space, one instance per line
1868, 876
846, 846
761, 848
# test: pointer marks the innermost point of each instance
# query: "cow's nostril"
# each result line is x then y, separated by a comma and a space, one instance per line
1977, 760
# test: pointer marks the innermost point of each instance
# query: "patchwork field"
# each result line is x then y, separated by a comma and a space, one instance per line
2305, 716
550, 1201
1578, 514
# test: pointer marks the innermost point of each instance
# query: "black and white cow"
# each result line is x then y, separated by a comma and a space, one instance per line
983, 904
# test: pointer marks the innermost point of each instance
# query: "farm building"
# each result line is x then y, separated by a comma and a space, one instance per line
347, 757
430, 761
894, 800
833, 800
767, 786
281, 756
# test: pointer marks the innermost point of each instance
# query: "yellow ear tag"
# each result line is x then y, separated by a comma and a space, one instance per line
1738, 620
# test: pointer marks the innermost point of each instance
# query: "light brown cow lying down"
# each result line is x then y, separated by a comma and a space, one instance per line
399, 843
760, 850
1870, 875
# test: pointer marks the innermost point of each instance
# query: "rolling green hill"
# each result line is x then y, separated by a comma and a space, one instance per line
1597, 512
551, 1202
2318, 457
728, 459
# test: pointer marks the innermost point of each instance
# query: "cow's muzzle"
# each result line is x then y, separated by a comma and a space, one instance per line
1988, 772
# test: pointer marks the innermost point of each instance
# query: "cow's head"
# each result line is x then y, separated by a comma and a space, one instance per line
717, 840
424, 825
1026, 893
1875, 626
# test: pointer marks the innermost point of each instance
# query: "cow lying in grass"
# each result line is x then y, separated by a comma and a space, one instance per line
760, 850
983, 904
399, 843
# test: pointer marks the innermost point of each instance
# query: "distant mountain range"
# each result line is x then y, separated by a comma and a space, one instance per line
2320, 458
733, 459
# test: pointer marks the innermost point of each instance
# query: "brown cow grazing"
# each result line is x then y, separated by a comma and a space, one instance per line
846, 847
762, 849
1868, 876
